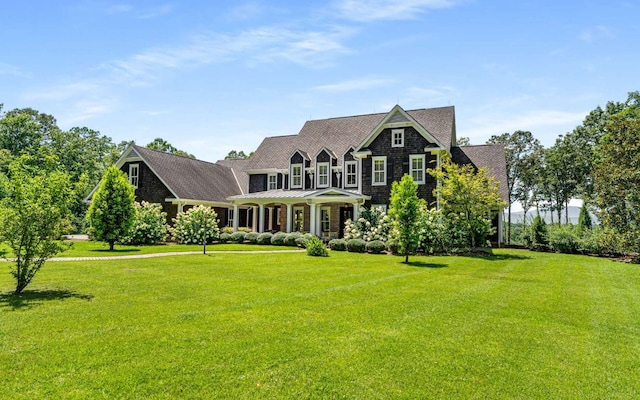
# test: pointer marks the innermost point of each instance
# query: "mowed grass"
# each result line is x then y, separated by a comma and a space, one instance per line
516, 325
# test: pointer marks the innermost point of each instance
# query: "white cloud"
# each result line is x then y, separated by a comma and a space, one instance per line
596, 33
8, 69
374, 10
355, 84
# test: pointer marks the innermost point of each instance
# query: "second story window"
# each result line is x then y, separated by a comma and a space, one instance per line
323, 175
397, 138
379, 174
416, 164
272, 182
350, 174
296, 176
134, 173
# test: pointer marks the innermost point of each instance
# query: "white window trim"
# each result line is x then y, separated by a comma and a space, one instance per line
393, 137
275, 181
346, 170
229, 216
136, 181
328, 175
327, 211
382, 207
292, 177
373, 171
411, 170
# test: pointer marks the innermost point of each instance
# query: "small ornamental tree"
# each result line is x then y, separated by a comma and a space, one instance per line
199, 225
150, 225
112, 213
405, 216
33, 215
584, 219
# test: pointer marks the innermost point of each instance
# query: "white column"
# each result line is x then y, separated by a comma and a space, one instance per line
235, 218
312, 218
356, 211
261, 219
180, 207
270, 218
254, 223
289, 217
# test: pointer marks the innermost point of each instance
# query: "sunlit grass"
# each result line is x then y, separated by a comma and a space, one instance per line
515, 325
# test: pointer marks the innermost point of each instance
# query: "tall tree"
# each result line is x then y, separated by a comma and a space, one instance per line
237, 155
517, 147
405, 216
33, 215
111, 213
160, 144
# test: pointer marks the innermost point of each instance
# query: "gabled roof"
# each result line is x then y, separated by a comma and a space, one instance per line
489, 156
188, 178
238, 168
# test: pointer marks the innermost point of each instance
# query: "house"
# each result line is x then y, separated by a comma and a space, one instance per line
314, 181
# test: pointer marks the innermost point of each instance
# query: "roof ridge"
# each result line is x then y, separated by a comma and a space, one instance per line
177, 155
375, 113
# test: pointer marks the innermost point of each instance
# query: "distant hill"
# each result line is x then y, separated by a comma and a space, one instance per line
574, 213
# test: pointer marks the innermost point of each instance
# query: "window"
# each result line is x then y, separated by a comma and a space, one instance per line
379, 170
298, 219
278, 216
296, 176
397, 138
272, 182
323, 175
134, 173
351, 174
325, 219
416, 168
381, 207
229, 216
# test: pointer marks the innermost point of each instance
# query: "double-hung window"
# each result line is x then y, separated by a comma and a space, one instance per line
323, 175
416, 166
296, 176
272, 182
379, 166
134, 174
397, 138
351, 174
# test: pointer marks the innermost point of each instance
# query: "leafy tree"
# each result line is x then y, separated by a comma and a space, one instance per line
463, 141
33, 215
237, 155
560, 178
469, 196
518, 147
160, 144
584, 219
405, 216
111, 213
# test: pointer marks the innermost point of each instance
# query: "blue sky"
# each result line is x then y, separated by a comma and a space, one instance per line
211, 76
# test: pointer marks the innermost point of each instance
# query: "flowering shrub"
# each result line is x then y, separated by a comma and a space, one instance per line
278, 238
316, 248
197, 223
149, 226
373, 224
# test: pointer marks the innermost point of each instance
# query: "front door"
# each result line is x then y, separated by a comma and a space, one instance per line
345, 214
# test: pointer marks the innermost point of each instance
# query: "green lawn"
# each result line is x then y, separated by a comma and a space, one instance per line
517, 325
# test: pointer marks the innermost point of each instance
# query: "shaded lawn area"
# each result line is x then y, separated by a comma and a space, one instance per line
517, 325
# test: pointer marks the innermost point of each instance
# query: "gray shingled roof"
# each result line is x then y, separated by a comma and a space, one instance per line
339, 134
238, 167
189, 178
490, 156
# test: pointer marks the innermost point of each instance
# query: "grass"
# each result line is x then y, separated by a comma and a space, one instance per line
515, 325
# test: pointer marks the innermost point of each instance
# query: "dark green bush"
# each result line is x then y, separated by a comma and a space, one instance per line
563, 238
224, 238
251, 237
356, 246
338, 245
376, 246
238, 237
290, 239
539, 238
278, 239
265, 238
315, 247
392, 247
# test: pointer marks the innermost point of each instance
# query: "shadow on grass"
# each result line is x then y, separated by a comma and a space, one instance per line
115, 251
422, 264
497, 257
31, 298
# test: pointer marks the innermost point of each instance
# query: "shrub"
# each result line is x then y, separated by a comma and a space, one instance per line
290, 239
227, 229
338, 244
149, 226
265, 238
376, 246
563, 238
196, 223
245, 229
392, 247
224, 238
302, 240
278, 239
356, 245
251, 237
238, 237
373, 224
315, 247
539, 233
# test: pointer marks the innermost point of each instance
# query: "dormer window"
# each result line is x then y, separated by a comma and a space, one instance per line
323, 175
134, 174
397, 138
272, 182
296, 176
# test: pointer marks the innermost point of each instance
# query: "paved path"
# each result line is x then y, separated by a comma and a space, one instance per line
175, 253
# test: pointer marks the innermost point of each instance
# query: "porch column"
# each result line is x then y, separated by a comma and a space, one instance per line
254, 223
261, 219
235, 217
356, 211
289, 217
180, 207
312, 218
270, 218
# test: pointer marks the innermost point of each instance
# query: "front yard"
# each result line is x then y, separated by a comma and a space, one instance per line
515, 325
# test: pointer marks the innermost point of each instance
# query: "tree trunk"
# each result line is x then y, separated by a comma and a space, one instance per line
20, 287
406, 258
509, 225
566, 212
111, 243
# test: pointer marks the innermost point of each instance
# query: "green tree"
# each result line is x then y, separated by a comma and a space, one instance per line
33, 215
405, 216
237, 155
463, 141
584, 219
160, 144
467, 195
111, 213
